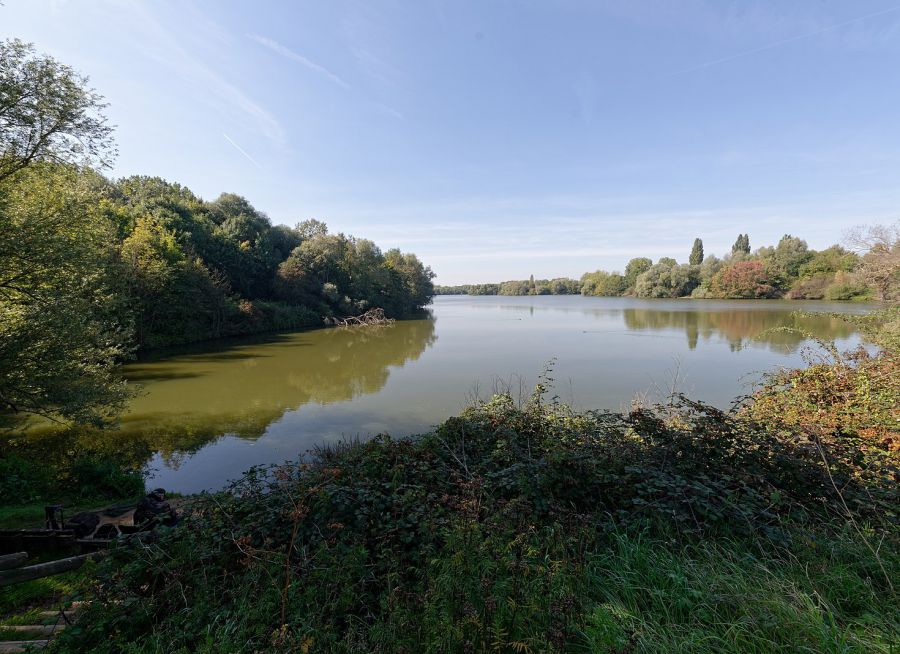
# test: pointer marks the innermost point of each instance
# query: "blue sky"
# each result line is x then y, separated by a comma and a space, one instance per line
499, 139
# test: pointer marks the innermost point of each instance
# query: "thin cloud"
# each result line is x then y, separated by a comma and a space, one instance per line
776, 44
276, 47
241, 150
390, 111
162, 46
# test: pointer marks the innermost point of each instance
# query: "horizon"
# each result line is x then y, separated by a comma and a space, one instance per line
506, 141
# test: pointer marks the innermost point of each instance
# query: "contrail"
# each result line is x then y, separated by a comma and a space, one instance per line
776, 44
275, 46
241, 150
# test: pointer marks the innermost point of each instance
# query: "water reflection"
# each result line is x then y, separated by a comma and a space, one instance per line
240, 391
204, 417
187, 401
781, 331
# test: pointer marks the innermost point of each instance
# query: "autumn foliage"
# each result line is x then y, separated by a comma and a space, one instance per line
744, 279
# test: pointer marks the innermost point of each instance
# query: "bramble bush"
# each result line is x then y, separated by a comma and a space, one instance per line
493, 533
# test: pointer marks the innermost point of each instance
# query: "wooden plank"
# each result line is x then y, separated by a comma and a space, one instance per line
8, 561
26, 630
9, 577
14, 646
5, 533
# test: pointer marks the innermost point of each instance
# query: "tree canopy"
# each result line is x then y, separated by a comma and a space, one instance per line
47, 112
92, 269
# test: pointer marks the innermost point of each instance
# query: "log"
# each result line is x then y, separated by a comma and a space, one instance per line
8, 561
9, 577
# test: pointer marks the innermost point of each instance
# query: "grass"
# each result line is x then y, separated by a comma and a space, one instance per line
723, 596
20, 602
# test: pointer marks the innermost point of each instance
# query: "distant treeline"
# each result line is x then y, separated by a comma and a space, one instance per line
532, 286
789, 269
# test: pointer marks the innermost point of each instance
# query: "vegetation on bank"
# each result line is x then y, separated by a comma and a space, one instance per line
675, 527
531, 286
789, 270
92, 269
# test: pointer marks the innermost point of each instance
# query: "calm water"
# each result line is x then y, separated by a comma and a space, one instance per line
211, 415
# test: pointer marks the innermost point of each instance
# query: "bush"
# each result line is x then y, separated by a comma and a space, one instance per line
21, 481
26, 480
812, 288
743, 280
103, 478
495, 533
848, 287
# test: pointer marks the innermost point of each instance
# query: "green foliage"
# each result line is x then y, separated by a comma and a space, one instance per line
91, 269
47, 113
59, 337
73, 478
635, 268
530, 528
667, 279
696, 257
741, 245
829, 261
468, 289
531, 286
789, 269
881, 327
848, 286
603, 283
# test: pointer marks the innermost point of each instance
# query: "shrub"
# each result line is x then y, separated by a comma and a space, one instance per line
85, 476
743, 280
847, 286
812, 288
492, 533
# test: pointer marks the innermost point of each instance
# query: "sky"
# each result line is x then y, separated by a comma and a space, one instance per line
500, 139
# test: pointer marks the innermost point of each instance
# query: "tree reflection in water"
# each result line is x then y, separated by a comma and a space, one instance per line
740, 328
187, 400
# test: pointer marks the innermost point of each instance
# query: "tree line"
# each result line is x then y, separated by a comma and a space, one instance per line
93, 269
790, 269
531, 286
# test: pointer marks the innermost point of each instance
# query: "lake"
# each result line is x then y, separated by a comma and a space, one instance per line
209, 415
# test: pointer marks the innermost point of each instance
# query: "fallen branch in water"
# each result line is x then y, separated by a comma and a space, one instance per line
371, 317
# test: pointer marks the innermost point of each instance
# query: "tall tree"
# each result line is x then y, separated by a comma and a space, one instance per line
741, 245
47, 112
696, 257
634, 268
59, 342
880, 262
